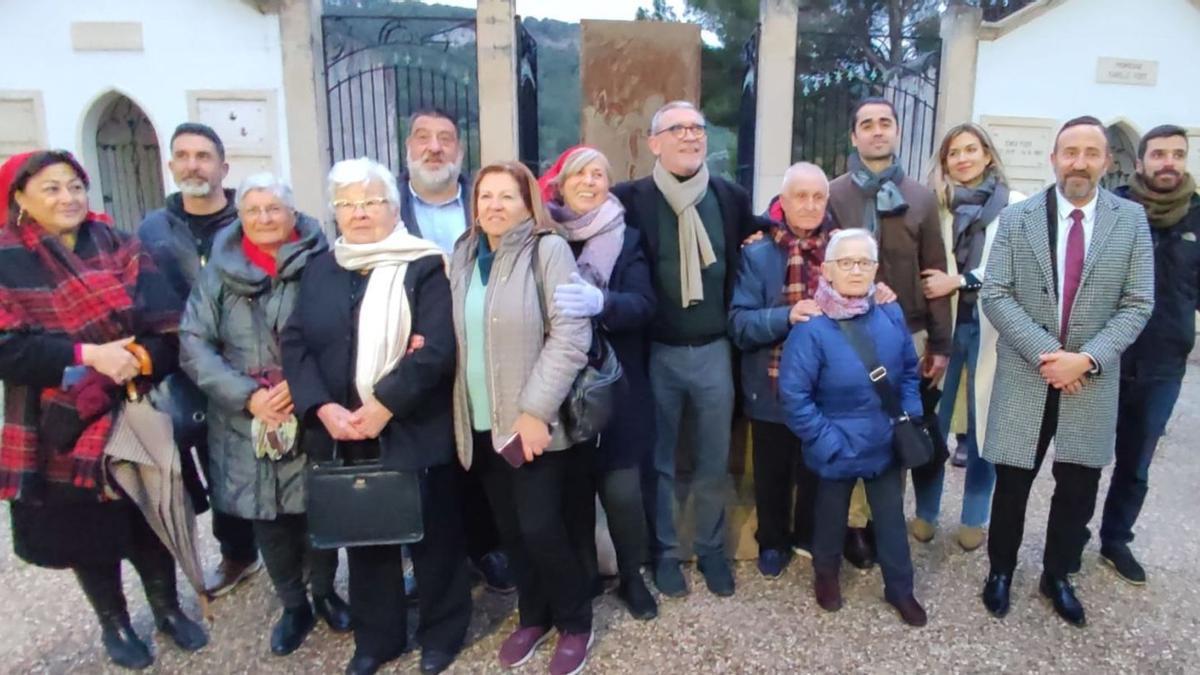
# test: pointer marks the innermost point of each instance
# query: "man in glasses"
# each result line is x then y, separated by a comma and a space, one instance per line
692, 225
876, 195
179, 237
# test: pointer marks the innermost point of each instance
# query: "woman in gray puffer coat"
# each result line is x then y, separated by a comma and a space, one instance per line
229, 345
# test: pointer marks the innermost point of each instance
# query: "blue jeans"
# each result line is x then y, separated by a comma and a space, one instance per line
981, 474
1145, 408
701, 376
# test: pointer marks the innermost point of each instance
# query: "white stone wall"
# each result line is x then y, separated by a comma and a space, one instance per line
187, 46
1047, 69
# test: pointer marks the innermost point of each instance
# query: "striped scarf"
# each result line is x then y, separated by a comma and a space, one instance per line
804, 258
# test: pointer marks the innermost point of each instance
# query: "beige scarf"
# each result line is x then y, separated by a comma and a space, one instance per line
695, 250
384, 319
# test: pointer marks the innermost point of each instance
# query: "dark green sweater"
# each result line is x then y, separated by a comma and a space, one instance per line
702, 323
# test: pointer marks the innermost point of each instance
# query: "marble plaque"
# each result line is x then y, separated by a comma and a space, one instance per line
628, 70
246, 122
1024, 145
22, 126
1193, 158
1126, 71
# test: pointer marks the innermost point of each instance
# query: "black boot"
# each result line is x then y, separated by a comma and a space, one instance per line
291, 629
159, 584
102, 586
637, 597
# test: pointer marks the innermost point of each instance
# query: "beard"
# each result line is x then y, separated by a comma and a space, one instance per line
433, 179
1165, 181
1077, 186
195, 187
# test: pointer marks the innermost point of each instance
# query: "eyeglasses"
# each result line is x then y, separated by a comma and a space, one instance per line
847, 264
368, 205
681, 131
273, 211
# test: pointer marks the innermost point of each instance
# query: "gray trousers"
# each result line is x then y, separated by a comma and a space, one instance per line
701, 376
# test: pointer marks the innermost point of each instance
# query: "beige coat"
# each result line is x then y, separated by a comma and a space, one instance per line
985, 366
530, 367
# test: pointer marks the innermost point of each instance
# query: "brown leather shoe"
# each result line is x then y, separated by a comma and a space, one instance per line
910, 610
228, 575
828, 590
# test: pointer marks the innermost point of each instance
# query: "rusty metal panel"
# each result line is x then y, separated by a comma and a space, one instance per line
628, 70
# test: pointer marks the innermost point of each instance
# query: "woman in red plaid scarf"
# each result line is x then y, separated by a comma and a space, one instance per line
82, 317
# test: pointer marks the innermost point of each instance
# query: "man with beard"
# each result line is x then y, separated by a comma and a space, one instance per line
179, 237
1069, 286
876, 195
1152, 369
434, 206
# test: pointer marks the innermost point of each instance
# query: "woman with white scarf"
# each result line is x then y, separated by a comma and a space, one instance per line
614, 289
369, 354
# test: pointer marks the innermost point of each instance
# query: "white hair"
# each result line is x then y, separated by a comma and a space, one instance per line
362, 171
579, 160
267, 182
799, 168
851, 234
673, 105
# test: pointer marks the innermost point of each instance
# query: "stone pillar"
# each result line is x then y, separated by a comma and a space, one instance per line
497, 53
304, 103
776, 95
956, 80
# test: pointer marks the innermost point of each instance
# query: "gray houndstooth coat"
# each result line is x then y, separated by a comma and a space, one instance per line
1020, 297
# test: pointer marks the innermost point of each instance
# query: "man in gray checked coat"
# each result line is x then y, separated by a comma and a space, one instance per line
1069, 285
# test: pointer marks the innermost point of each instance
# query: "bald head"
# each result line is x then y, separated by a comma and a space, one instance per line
804, 196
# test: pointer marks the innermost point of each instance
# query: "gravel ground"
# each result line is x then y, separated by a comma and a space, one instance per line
769, 626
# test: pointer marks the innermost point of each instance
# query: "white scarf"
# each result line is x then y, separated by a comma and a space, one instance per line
384, 319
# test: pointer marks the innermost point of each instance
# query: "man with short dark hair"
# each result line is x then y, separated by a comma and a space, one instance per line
876, 195
1069, 285
1152, 368
179, 237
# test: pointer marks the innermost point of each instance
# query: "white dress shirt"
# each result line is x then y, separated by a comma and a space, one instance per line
1064, 228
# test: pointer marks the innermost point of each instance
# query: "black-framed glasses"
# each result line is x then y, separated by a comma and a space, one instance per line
681, 131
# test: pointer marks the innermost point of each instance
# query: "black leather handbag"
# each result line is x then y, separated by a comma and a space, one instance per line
362, 504
910, 439
589, 405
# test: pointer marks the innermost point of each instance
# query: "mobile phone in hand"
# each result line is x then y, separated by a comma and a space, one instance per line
513, 451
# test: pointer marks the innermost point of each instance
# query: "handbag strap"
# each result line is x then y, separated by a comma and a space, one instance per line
864, 346
536, 265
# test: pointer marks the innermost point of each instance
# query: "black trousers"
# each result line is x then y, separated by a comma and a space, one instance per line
155, 565
544, 511
885, 494
478, 521
377, 604
285, 552
785, 490
1071, 507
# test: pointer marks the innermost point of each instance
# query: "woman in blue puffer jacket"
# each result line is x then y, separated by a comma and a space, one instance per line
831, 404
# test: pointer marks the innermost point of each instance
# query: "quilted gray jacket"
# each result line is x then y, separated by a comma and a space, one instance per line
530, 368
220, 343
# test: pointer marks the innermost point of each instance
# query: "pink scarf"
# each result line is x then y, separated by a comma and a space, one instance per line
837, 306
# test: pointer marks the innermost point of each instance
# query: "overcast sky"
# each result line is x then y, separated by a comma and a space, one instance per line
566, 10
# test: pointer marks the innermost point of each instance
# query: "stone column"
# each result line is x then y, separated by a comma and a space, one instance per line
776, 95
304, 103
497, 54
956, 79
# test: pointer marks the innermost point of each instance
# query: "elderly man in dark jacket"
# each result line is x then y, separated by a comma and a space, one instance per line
230, 348
180, 237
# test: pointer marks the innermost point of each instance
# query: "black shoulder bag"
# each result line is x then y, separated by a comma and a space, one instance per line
910, 441
589, 405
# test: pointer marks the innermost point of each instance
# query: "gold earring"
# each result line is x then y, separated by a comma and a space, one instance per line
20, 215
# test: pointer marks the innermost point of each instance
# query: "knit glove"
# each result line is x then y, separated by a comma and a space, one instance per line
578, 299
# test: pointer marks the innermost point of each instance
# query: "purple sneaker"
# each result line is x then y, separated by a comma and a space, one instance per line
520, 646
571, 652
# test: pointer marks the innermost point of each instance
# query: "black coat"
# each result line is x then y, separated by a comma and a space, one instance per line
1162, 349
641, 199
628, 308
318, 362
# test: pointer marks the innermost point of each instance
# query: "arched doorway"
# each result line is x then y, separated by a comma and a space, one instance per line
1122, 142
127, 154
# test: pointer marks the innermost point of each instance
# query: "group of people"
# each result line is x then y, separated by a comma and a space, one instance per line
441, 330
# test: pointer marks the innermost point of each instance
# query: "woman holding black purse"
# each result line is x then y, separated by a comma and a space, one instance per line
369, 354
829, 395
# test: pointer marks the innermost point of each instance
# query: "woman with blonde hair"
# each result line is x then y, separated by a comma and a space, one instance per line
972, 189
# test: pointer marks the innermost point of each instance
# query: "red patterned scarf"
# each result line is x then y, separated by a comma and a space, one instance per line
86, 297
804, 258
